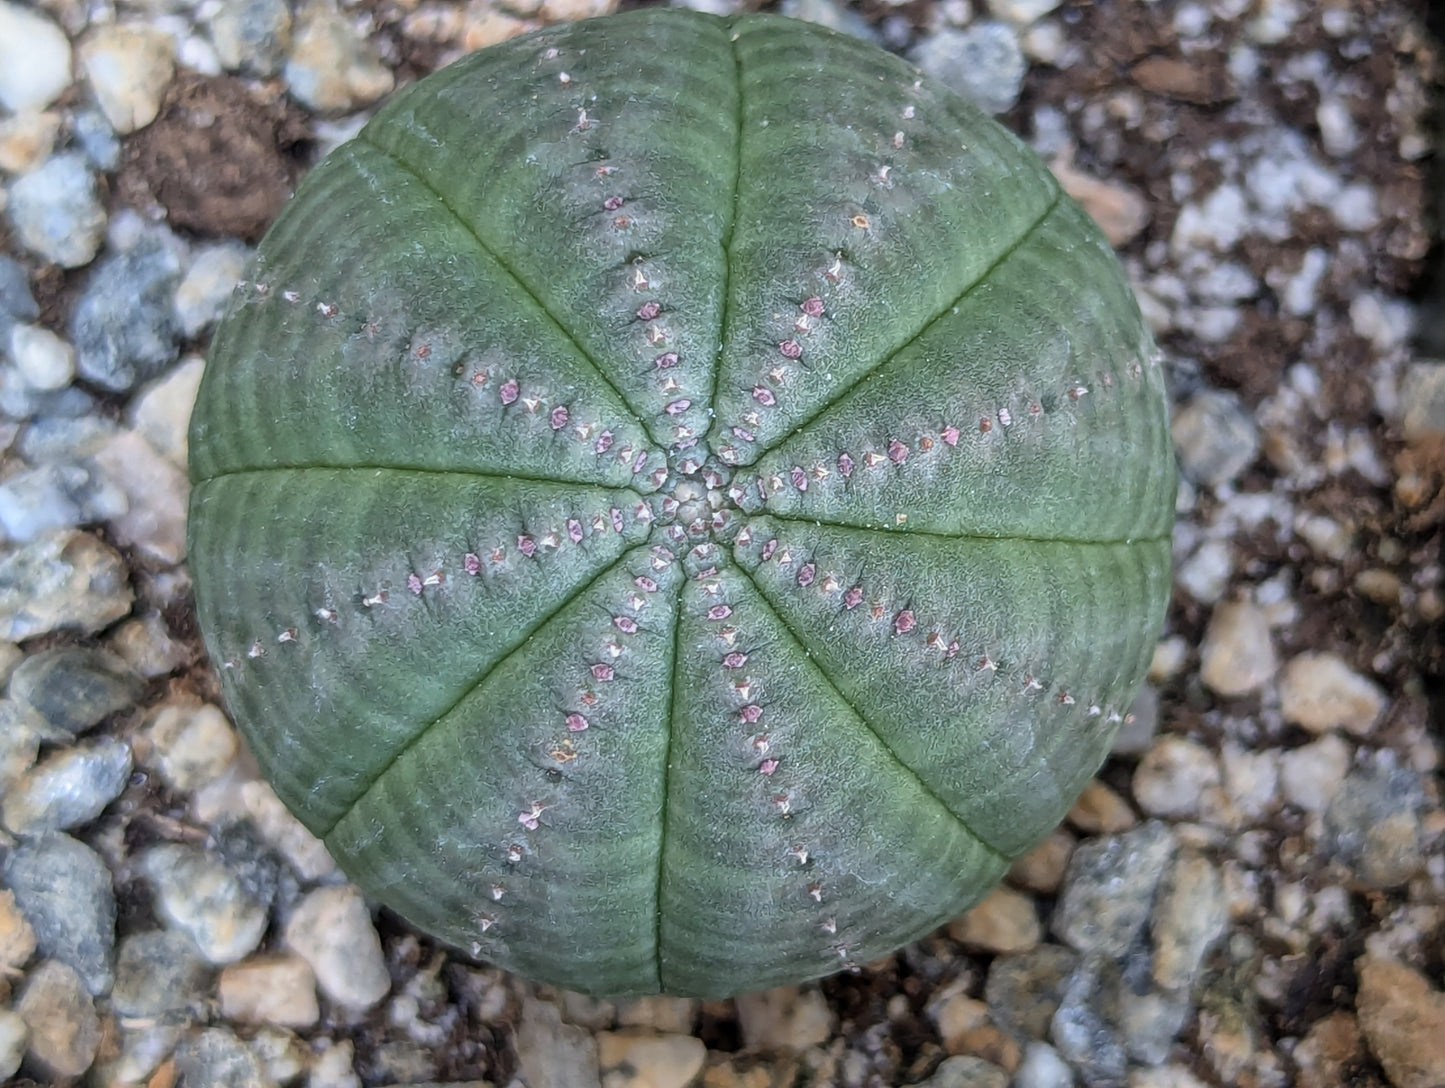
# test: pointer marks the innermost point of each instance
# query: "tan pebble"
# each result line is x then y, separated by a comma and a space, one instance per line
1119, 209
1331, 1048
128, 67
278, 989
64, 1029
1042, 868
1100, 810
1320, 692
786, 1018
17, 939
1004, 921
667, 1015
645, 1060
1237, 657
1403, 1020
26, 139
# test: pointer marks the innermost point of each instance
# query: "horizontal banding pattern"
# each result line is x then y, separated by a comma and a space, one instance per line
575, 621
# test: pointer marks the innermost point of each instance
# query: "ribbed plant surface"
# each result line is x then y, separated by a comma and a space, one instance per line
680, 503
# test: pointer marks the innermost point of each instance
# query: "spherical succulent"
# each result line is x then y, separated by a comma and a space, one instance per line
680, 503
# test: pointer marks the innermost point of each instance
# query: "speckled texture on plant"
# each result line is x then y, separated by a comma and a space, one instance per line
680, 502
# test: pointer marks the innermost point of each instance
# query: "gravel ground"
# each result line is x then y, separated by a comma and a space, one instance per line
1252, 892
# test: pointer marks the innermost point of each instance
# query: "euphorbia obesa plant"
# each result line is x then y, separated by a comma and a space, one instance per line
680, 503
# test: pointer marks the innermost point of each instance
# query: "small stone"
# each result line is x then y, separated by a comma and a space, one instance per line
69, 788
1311, 776
74, 688
1403, 1019
1165, 1076
1206, 574
1237, 657
1086, 1029
44, 360
198, 895
146, 646
640, 1060
284, 1056
96, 139
17, 938
208, 285
332, 69
1320, 692
60, 1017
984, 63
252, 36
1332, 1047
1042, 1067
16, 301
27, 139
64, 891
216, 1058
61, 580
1191, 915
1042, 868
156, 490
189, 744
826, 13
1215, 438
56, 211
157, 974
1021, 12
1216, 222
52, 497
34, 58
658, 1013
1100, 809
1174, 777
124, 326
1120, 210
786, 1019
1005, 921
278, 989
306, 853
331, 929
551, 1054
965, 1027
1023, 991
1251, 783
1373, 824
14, 1039
961, 1071
1109, 889
1422, 399
128, 67
1273, 20
161, 412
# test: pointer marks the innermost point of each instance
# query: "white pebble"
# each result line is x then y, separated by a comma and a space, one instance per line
34, 59
331, 930
44, 360
1237, 656
162, 411
1320, 692
128, 67
1310, 776
1174, 776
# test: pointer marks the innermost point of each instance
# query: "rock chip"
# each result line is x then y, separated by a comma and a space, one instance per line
64, 890
276, 989
961, 1071
1311, 776
158, 974
1215, 438
1373, 824
128, 67
44, 360
1175, 776
331, 929
784, 1019
156, 491
148, 648
208, 285
1109, 889
1191, 914
252, 36
64, 1030
69, 788
643, 1060
216, 1058
1237, 657
161, 412
658, 1013
332, 68
1042, 868
51, 497
984, 63
17, 938
1100, 809
1328, 1051
189, 743
34, 58
551, 1054
56, 211
1120, 210
74, 687
64, 579
124, 325
197, 894
1320, 692
14, 1039
1005, 921
1403, 1020
1021, 12
1023, 991
1042, 1067
27, 139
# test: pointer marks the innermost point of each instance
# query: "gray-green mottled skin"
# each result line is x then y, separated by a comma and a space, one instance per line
681, 503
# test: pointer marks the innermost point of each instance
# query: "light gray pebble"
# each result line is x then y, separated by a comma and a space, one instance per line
252, 36
208, 285
161, 412
74, 687
1190, 916
44, 361
16, 301
198, 895
65, 579
1022, 992
69, 788
63, 440
1109, 887
831, 15
124, 325
21, 731
56, 211
56, 496
19, 402
550, 1052
1043, 1068
141, 1051
14, 1036
216, 1058
159, 974
1149, 1020
1084, 1028
63, 1026
96, 138
984, 63
331, 929
1215, 437
34, 58
1373, 824
64, 890
1311, 776
961, 1071
1237, 656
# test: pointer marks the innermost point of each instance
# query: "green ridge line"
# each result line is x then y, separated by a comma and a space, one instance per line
471, 688
817, 665
413, 470
666, 778
1009, 538
466, 224
853, 386
726, 311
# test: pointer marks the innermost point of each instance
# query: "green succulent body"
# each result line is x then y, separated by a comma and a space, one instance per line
680, 503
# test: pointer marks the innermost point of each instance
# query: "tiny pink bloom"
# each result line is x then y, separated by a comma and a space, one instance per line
648, 310
510, 391
559, 417
764, 396
576, 723
751, 713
